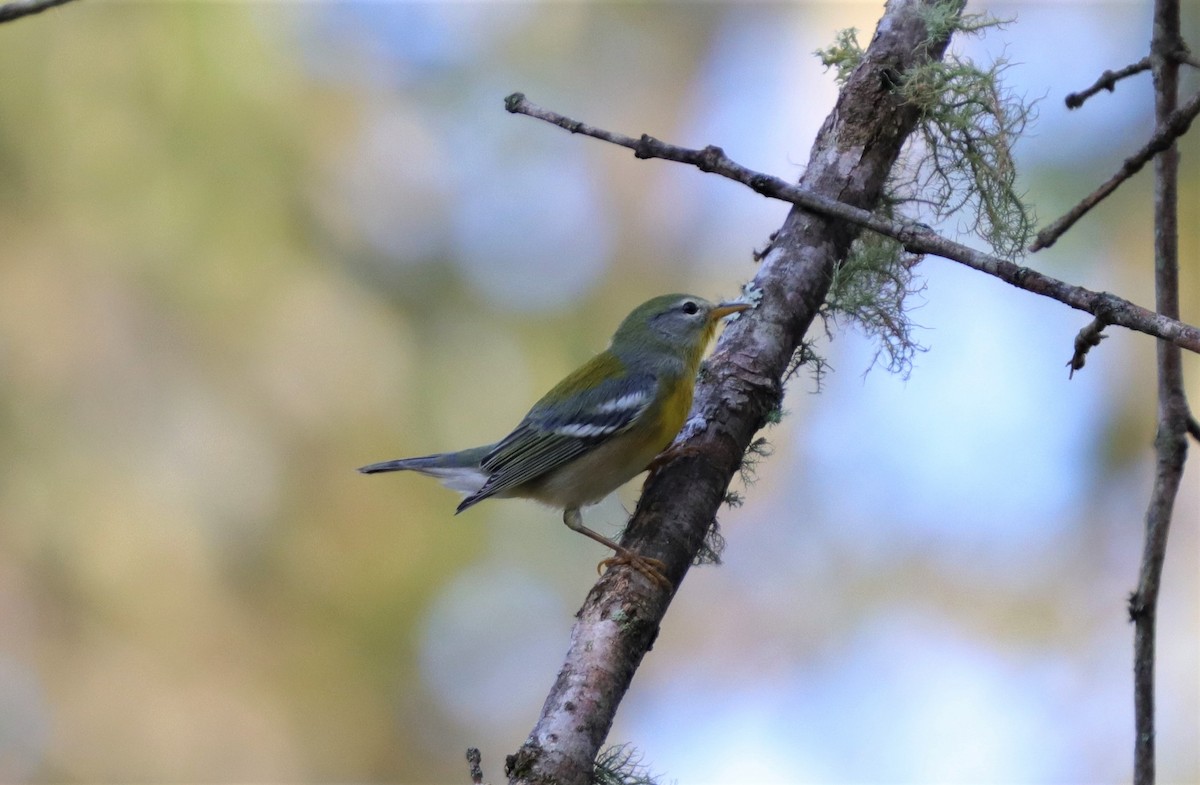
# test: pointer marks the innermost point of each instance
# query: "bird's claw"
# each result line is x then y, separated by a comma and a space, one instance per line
669, 455
653, 569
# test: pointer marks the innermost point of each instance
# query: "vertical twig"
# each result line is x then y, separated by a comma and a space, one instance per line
1171, 439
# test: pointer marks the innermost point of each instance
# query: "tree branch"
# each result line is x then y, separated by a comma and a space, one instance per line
1173, 415
15, 9
916, 238
1166, 132
851, 158
1107, 81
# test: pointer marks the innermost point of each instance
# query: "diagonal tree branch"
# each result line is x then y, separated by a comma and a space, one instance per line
916, 238
15, 9
1166, 132
1107, 81
850, 161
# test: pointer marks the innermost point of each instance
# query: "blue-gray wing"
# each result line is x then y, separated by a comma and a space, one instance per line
552, 436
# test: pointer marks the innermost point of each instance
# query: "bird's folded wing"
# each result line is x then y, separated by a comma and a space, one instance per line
551, 436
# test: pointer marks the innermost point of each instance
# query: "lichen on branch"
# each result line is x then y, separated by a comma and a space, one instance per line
969, 123
961, 156
958, 162
872, 287
621, 764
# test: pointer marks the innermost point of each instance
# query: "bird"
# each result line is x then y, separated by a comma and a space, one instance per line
602, 425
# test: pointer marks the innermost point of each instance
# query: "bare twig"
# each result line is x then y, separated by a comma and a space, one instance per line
1193, 427
1165, 134
1173, 415
15, 9
1107, 81
475, 761
916, 238
852, 156
1088, 337
1187, 58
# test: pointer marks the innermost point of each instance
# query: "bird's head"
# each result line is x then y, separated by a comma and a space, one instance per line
679, 323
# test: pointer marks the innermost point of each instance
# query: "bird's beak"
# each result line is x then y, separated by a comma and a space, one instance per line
724, 309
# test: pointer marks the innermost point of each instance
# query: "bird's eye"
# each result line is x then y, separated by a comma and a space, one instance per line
690, 307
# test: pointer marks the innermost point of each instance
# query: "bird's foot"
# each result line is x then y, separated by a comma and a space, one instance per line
672, 453
652, 568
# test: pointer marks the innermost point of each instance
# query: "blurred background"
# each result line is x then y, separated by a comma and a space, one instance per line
248, 247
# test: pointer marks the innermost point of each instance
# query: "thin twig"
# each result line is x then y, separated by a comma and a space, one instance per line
1193, 427
15, 9
916, 238
1170, 444
475, 760
1107, 81
1184, 56
1164, 136
1088, 337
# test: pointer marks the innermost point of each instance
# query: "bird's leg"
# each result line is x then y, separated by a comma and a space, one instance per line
651, 568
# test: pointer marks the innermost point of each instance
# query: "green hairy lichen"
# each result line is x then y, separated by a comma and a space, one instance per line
621, 764
872, 287
958, 163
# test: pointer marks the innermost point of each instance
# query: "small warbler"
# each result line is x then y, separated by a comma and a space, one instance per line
597, 428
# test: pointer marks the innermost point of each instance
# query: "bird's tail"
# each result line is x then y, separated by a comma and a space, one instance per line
457, 470
401, 465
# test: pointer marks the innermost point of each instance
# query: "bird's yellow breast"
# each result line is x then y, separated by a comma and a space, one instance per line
678, 402
675, 408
